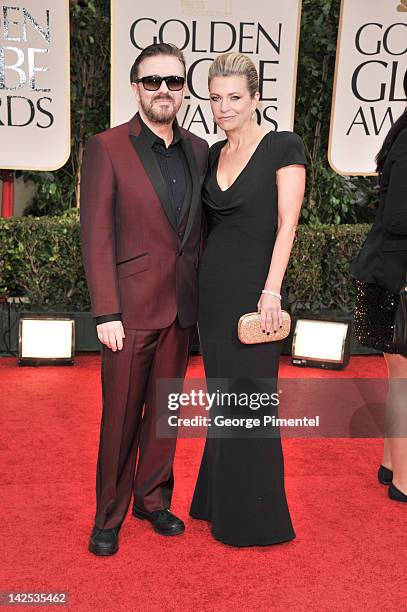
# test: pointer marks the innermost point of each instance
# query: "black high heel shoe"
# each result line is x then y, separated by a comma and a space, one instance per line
384, 475
395, 493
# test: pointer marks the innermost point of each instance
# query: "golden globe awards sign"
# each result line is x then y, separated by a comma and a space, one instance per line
265, 30
368, 92
34, 84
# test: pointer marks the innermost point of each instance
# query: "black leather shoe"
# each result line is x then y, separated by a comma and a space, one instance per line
104, 542
163, 521
384, 475
396, 494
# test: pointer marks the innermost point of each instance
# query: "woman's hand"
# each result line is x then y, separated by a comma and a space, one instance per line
269, 308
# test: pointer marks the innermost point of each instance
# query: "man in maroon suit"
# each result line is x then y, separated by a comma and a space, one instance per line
141, 236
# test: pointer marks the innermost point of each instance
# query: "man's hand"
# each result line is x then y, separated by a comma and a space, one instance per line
111, 334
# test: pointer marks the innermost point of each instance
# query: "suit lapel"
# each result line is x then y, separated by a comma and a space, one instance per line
195, 198
188, 194
154, 173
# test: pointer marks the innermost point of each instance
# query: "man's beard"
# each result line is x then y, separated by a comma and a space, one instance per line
161, 114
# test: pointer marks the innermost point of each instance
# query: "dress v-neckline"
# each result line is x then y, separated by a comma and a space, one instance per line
242, 170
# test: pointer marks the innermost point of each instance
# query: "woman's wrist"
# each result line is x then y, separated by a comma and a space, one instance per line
272, 293
275, 286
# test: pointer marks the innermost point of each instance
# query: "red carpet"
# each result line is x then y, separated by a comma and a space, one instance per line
351, 546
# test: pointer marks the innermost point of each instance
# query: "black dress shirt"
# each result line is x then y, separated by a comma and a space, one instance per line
173, 166
175, 171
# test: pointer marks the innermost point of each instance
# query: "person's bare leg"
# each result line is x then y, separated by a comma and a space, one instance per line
386, 462
395, 446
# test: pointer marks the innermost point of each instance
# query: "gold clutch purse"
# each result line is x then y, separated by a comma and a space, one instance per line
249, 329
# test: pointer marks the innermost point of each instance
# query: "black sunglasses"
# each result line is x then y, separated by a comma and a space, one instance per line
153, 83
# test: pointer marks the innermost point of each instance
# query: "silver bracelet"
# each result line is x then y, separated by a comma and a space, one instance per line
277, 295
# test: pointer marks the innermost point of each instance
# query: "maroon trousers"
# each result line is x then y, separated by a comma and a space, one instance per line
129, 379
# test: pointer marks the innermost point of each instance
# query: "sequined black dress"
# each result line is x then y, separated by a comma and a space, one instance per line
381, 265
375, 313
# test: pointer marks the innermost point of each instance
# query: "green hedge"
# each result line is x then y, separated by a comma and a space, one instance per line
40, 258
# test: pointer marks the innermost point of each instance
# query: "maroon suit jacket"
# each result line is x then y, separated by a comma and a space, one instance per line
137, 261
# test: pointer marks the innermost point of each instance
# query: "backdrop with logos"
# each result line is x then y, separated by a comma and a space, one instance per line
266, 31
34, 85
367, 96
371, 60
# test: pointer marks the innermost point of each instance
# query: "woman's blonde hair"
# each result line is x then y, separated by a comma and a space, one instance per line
235, 64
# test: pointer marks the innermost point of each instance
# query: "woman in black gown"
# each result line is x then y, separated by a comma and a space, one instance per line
252, 197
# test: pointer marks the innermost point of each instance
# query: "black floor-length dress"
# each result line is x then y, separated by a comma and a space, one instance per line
240, 487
